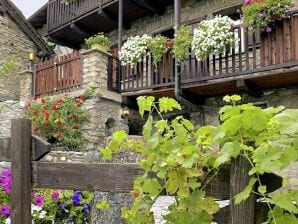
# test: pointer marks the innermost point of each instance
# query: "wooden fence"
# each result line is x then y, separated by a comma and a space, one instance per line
25, 151
58, 74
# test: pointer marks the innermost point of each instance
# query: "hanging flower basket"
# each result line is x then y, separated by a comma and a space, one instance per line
213, 37
134, 49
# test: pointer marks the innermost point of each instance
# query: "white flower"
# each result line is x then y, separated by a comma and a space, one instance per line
134, 49
7, 221
213, 36
35, 208
42, 214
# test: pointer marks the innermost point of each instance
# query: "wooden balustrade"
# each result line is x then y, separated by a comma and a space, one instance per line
60, 13
255, 52
58, 74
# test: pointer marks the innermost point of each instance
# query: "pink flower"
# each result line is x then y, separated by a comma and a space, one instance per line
5, 211
269, 29
39, 200
260, 15
55, 196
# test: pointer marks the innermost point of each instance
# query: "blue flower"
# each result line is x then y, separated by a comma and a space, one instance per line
76, 199
63, 205
86, 209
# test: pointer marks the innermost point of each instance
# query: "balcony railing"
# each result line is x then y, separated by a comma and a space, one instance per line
61, 13
58, 74
255, 52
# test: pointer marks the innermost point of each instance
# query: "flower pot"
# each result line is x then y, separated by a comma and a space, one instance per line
99, 47
276, 17
169, 43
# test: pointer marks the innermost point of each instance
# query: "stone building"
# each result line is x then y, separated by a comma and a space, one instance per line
18, 37
263, 68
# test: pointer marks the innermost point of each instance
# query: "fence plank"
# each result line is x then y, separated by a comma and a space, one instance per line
21, 171
5, 149
92, 177
40, 147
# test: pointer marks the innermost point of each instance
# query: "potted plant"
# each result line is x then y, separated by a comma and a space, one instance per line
182, 43
158, 48
169, 43
212, 37
260, 14
134, 49
98, 41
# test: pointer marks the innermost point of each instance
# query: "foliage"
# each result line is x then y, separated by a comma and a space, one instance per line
48, 205
213, 37
134, 49
180, 160
8, 65
99, 38
182, 43
157, 46
259, 15
59, 120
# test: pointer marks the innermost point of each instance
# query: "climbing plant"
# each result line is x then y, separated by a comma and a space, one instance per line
180, 160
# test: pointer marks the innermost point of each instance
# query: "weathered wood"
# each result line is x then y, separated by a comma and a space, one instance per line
40, 148
21, 171
244, 213
5, 149
91, 177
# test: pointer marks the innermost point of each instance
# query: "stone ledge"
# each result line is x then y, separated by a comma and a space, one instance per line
24, 72
109, 95
90, 51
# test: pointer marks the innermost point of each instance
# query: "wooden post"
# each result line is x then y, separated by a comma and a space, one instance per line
21, 171
244, 213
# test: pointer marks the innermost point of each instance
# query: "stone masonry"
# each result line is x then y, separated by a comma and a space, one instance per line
13, 42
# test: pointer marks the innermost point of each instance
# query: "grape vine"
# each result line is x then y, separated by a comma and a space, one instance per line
180, 160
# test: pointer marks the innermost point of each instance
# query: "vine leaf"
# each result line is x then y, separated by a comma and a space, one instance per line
286, 201
242, 196
167, 104
152, 187
288, 121
145, 104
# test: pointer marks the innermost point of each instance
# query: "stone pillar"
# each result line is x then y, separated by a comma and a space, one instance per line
25, 78
95, 65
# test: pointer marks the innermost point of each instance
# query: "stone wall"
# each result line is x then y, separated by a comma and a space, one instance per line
191, 9
12, 42
9, 110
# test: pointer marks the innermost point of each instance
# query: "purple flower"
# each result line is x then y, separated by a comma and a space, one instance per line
246, 2
78, 192
5, 211
63, 205
6, 173
86, 209
55, 196
76, 199
7, 188
268, 29
39, 200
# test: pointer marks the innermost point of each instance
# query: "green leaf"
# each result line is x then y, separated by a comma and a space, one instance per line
255, 119
232, 124
242, 196
168, 104
262, 189
209, 205
285, 201
119, 136
107, 153
145, 103
103, 205
228, 151
148, 127
288, 121
152, 187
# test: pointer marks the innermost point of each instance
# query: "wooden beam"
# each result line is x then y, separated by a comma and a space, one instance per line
80, 30
5, 149
113, 19
148, 6
249, 88
244, 213
40, 148
92, 177
21, 171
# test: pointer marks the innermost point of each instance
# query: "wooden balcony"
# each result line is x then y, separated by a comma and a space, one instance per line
260, 61
70, 23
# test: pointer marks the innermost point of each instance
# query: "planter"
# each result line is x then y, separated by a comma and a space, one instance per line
99, 47
169, 43
276, 17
